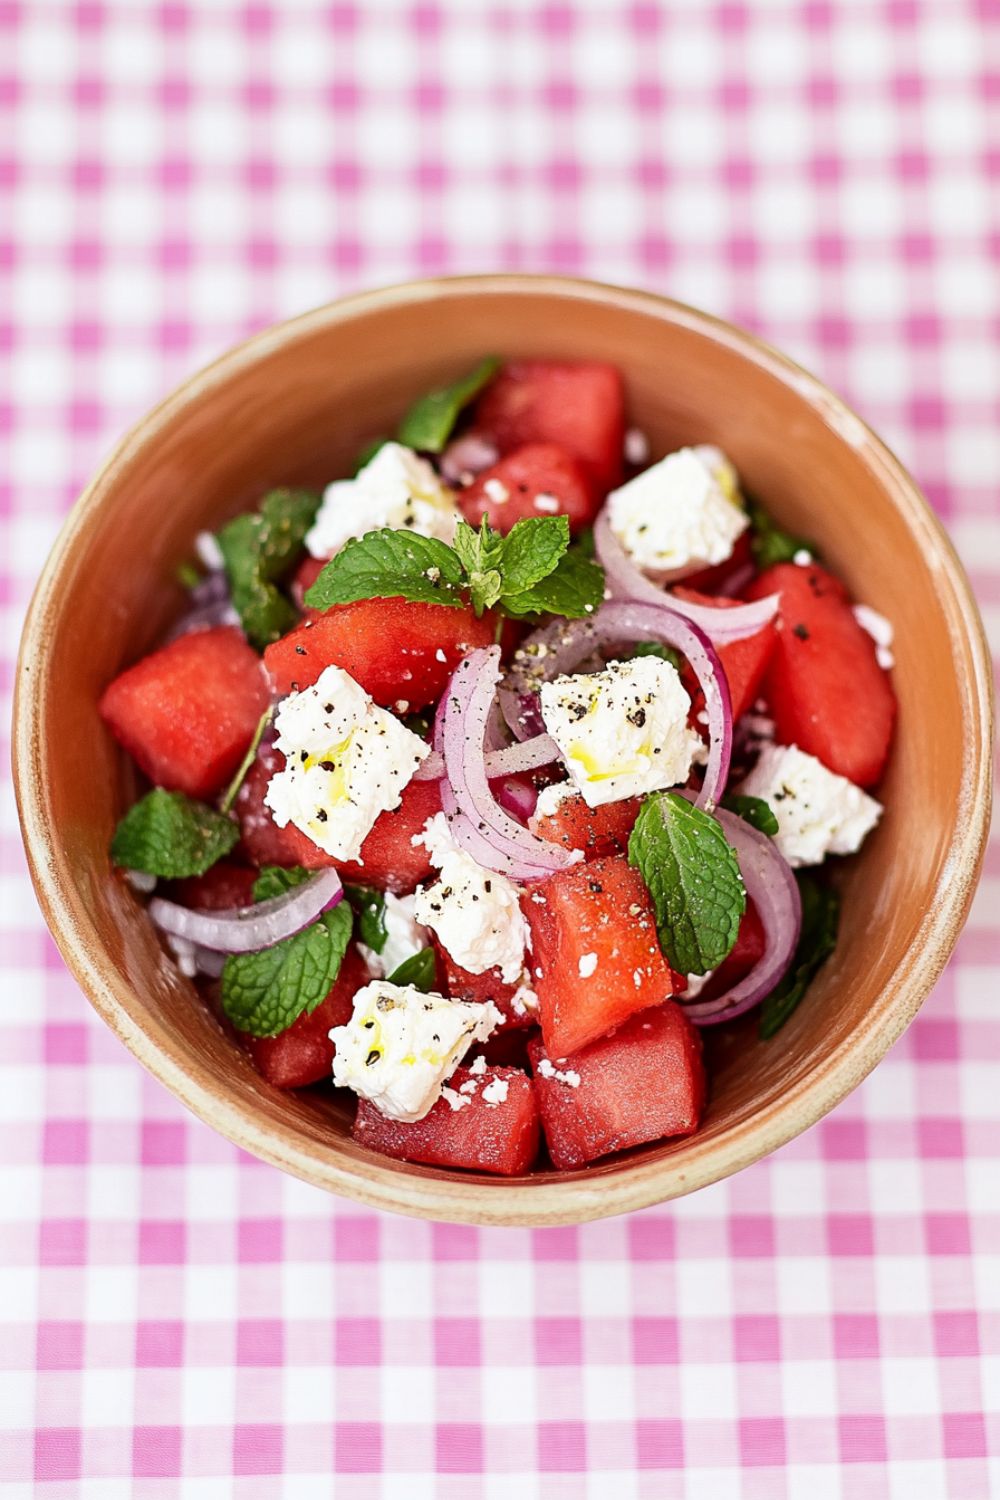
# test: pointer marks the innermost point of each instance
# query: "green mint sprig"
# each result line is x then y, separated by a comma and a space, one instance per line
531, 570
258, 548
172, 836
420, 970
817, 940
753, 810
264, 993
769, 543
693, 877
428, 424
368, 904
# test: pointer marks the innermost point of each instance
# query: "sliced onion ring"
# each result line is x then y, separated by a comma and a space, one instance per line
527, 756
203, 617
563, 645
248, 929
626, 581
482, 827
771, 887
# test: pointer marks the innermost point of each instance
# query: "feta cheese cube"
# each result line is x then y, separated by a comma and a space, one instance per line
623, 731
818, 812
396, 488
400, 1046
475, 912
347, 761
681, 512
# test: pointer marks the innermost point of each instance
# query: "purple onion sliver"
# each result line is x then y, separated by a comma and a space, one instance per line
248, 929
771, 886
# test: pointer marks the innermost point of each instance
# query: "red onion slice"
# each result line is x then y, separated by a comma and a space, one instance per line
518, 797
203, 617
500, 843
771, 887
561, 646
528, 756
467, 456
248, 929
625, 581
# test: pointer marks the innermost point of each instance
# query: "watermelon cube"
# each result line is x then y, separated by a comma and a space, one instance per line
303, 1053
187, 712
824, 686
744, 662
539, 479
579, 406
462, 984
595, 957
401, 652
389, 858
642, 1083
496, 1131
596, 830
223, 887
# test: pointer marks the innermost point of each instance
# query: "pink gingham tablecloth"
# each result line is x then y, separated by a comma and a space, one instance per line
181, 1321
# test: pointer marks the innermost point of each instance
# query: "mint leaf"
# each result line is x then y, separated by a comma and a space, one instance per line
574, 589
258, 548
481, 554
232, 790
369, 907
532, 550
420, 969
390, 564
264, 993
275, 880
665, 653
753, 810
187, 576
769, 543
421, 723
693, 878
817, 940
428, 424
171, 835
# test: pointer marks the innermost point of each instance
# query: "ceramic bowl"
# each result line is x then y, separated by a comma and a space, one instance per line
293, 405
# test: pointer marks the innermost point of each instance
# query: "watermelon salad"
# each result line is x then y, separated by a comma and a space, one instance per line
484, 782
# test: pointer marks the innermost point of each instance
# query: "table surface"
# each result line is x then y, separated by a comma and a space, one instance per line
181, 1320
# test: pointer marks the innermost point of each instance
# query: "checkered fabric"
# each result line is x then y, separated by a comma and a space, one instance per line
181, 1321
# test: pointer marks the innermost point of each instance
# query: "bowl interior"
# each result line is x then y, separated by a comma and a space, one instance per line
294, 406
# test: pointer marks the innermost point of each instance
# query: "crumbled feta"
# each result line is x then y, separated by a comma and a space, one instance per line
497, 491
404, 937
547, 504
456, 1099
208, 551
802, 558
636, 447
395, 488
550, 799
696, 983
440, 656
568, 1076
475, 912
524, 1001
496, 1092
478, 1065
400, 1046
818, 812
347, 761
622, 731
586, 965
140, 881
678, 512
881, 631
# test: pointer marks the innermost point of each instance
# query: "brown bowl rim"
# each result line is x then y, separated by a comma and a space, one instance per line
639, 1182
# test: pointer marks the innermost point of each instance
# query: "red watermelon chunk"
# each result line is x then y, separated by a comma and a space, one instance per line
401, 652
224, 886
462, 984
187, 712
500, 1138
708, 580
389, 858
595, 958
303, 1053
825, 688
596, 830
540, 479
643, 1082
579, 406
744, 662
